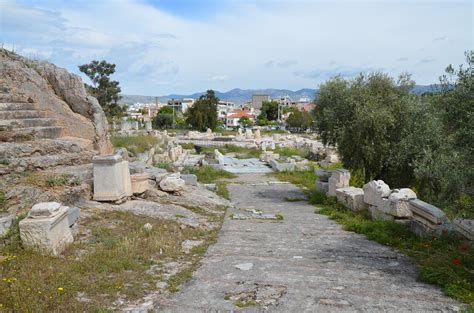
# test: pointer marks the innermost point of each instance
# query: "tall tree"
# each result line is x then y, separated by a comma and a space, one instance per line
364, 117
269, 111
103, 88
203, 114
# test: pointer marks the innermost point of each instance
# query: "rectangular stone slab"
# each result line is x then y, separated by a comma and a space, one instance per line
428, 212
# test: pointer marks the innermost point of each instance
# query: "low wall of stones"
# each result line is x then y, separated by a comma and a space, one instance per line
383, 203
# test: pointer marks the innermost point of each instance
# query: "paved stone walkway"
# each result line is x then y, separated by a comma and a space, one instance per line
304, 263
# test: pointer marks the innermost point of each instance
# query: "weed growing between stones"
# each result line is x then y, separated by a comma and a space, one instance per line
279, 216
445, 260
222, 190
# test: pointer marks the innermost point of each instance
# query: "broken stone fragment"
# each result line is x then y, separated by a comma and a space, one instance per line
352, 198
44, 209
172, 183
339, 179
374, 191
426, 213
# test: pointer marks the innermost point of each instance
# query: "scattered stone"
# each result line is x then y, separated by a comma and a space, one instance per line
374, 191
322, 186
5, 223
352, 198
323, 175
244, 266
140, 183
339, 179
465, 227
281, 167
172, 183
46, 228
148, 227
189, 179
379, 215
427, 214
397, 203
187, 245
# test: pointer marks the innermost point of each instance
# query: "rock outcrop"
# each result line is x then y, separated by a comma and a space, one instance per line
43, 101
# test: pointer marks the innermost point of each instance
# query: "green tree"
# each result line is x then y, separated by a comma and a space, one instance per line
269, 111
245, 121
299, 119
163, 121
203, 114
103, 88
364, 117
166, 110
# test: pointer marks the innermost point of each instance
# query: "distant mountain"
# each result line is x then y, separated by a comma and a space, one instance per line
243, 95
235, 95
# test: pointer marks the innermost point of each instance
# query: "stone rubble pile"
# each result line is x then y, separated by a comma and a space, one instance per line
383, 203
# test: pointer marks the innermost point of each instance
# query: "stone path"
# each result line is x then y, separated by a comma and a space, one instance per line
304, 263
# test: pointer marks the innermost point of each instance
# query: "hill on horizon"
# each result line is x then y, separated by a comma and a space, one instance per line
240, 96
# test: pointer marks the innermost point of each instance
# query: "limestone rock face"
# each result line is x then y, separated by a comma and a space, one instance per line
58, 93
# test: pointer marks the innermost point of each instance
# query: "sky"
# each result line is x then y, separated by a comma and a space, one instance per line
185, 46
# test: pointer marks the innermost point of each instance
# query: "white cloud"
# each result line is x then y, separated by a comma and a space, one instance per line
219, 78
285, 44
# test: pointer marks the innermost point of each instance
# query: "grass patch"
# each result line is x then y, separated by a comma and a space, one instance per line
110, 261
244, 304
288, 152
51, 180
306, 179
134, 144
166, 166
279, 217
209, 174
446, 260
188, 146
222, 190
287, 199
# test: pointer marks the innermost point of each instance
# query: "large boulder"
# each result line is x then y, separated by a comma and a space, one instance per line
58, 93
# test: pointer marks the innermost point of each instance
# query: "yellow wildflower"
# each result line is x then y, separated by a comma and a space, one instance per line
60, 288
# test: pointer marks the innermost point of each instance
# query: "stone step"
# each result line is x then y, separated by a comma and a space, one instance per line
46, 161
18, 114
27, 122
16, 106
9, 150
30, 133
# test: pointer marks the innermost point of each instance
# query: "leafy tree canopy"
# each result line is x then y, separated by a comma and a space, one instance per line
103, 88
203, 114
269, 111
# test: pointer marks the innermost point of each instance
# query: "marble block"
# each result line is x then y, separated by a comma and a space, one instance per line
339, 179
140, 183
46, 228
109, 180
127, 181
